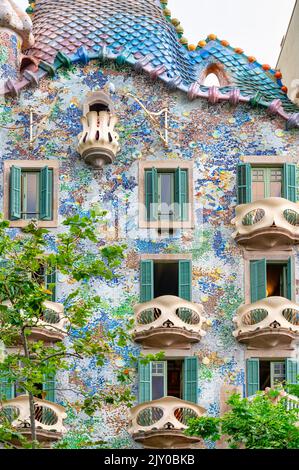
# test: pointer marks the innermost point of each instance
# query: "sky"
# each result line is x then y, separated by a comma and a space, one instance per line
257, 26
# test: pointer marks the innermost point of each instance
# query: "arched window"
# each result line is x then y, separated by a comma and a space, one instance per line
211, 80
214, 75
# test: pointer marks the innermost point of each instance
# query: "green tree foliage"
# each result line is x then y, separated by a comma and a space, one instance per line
261, 422
81, 256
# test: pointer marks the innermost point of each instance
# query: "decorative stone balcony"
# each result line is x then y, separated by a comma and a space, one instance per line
161, 423
98, 143
48, 418
269, 223
52, 327
167, 322
269, 323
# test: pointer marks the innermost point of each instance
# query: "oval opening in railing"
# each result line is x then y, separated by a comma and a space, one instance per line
188, 316
291, 315
11, 413
254, 316
292, 217
148, 316
50, 316
149, 416
184, 414
253, 217
45, 415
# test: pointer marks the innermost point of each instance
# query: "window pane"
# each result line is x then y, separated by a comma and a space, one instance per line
275, 182
158, 387
258, 184
30, 194
166, 193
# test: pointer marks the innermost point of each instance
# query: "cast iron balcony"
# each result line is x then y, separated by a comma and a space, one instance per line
161, 423
268, 323
98, 142
48, 418
268, 223
167, 322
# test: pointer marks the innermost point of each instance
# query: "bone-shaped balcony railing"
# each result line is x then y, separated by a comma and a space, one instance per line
48, 416
268, 222
164, 417
53, 318
269, 322
167, 321
98, 142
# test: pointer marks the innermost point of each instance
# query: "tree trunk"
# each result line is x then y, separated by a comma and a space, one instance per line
31, 397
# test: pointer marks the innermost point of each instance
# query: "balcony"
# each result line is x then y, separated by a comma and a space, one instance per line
167, 322
48, 418
269, 323
269, 223
161, 423
52, 327
98, 142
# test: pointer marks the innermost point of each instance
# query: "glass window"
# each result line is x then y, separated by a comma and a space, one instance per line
165, 194
158, 380
277, 373
266, 182
30, 194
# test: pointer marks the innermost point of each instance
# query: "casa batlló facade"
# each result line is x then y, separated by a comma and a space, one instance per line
200, 183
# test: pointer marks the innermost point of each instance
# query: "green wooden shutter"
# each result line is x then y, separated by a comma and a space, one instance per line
6, 389
181, 194
51, 280
290, 279
46, 194
49, 386
292, 371
147, 281
253, 376
145, 382
185, 279
244, 183
190, 375
15, 193
151, 193
258, 280
289, 182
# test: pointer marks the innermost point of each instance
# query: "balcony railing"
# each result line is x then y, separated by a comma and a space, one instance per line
48, 417
168, 321
98, 142
268, 223
52, 327
268, 323
161, 423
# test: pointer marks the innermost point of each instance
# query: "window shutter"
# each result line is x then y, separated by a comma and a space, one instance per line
49, 386
181, 194
145, 382
253, 376
6, 389
190, 375
258, 280
244, 183
46, 194
185, 279
290, 279
147, 281
151, 193
51, 280
292, 371
15, 193
289, 182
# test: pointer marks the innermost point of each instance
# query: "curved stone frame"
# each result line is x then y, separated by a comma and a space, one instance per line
97, 97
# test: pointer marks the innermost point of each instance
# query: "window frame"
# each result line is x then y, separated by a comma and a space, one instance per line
165, 166
267, 179
29, 165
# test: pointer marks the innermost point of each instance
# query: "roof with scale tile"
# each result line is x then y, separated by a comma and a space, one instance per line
142, 33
